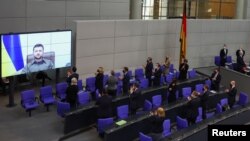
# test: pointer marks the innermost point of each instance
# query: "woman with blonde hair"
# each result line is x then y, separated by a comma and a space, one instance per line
157, 122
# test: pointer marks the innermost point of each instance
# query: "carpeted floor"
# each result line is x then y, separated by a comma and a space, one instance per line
16, 125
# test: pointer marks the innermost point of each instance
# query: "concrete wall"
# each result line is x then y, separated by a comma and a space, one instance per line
39, 15
117, 43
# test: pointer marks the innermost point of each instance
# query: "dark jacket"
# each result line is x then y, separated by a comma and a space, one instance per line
157, 124
99, 82
204, 100
125, 83
192, 110
157, 77
231, 96
71, 94
215, 83
223, 57
149, 70
104, 106
171, 92
183, 68
136, 100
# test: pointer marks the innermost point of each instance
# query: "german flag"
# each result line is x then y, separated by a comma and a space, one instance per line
183, 34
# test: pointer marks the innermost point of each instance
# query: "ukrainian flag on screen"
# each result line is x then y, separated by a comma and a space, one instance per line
12, 57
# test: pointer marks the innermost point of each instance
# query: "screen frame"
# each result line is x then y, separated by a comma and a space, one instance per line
35, 32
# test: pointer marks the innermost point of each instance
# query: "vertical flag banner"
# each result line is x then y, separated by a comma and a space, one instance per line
12, 52
183, 33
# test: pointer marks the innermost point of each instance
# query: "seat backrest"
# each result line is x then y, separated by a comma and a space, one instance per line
191, 73
218, 108
61, 89
90, 84
224, 101
199, 87
105, 79
79, 84
229, 59
46, 92
47, 55
217, 60
117, 74
208, 82
169, 78
27, 96
62, 108
122, 111
166, 128
171, 68
147, 105
243, 99
103, 123
144, 137
181, 123
83, 98
156, 101
143, 83
199, 117
186, 92
139, 74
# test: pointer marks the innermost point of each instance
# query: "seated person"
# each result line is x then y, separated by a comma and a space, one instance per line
39, 63
104, 103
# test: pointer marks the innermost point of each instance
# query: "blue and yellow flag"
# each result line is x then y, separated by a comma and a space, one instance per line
12, 57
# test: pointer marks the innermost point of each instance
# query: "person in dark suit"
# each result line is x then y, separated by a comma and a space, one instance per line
149, 71
158, 117
241, 66
157, 75
135, 99
232, 91
172, 91
99, 79
72, 73
223, 55
183, 68
192, 107
215, 80
204, 100
71, 93
125, 80
104, 103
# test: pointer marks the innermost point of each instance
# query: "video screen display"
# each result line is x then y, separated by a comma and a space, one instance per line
32, 52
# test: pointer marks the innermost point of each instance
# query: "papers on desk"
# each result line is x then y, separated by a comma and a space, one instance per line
212, 91
121, 122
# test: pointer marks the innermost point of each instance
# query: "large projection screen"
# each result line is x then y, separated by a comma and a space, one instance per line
32, 52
